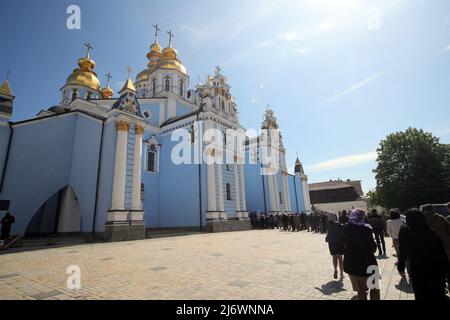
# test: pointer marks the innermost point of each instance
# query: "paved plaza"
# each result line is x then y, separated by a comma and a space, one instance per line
259, 264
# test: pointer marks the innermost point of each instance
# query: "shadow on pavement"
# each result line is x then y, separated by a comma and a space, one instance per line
332, 287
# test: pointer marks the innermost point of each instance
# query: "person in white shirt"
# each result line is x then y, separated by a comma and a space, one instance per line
393, 226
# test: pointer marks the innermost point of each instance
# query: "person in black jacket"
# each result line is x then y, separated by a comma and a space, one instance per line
425, 252
335, 239
378, 227
359, 258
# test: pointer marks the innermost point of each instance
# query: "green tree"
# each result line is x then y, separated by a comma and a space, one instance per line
413, 169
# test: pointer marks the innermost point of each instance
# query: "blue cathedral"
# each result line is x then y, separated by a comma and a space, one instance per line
100, 163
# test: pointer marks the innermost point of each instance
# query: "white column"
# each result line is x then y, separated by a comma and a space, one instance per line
137, 166
277, 194
273, 205
212, 204
287, 194
220, 182
236, 187
243, 194
118, 194
305, 188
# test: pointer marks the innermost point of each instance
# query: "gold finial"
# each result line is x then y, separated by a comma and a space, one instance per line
5, 89
171, 36
157, 29
129, 72
89, 48
107, 91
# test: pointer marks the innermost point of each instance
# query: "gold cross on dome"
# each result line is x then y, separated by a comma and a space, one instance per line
170, 37
89, 48
157, 30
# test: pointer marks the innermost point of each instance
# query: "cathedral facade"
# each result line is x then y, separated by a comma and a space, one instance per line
104, 164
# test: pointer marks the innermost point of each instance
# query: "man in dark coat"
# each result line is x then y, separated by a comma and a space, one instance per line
377, 224
425, 252
7, 222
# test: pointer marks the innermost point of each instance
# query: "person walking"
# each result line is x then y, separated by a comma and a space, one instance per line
376, 222
359, 255
303, 220
343, 218
393, 226
6, 222
428, 261
335, 241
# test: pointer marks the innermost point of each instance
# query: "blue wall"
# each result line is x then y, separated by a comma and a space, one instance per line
4, 139
48, 155
179, 196
254, 188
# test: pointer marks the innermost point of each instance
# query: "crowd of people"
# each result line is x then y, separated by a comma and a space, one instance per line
420, 238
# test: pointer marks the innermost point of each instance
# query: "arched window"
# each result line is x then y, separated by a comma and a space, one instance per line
223, 105
228, 191
154, 87
89, 96
167, 84
153, 149
74, 94
281, 198
181, 88
151, 158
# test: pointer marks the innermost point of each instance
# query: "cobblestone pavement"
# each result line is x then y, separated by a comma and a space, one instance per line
256, 264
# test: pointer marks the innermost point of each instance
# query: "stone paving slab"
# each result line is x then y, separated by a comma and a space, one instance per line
259, 264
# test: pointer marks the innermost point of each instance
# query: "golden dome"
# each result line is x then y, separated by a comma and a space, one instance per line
154, 55
166, 60
169, 60
107, 93
84, 75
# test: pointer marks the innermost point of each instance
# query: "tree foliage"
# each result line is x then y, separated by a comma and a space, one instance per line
413, 169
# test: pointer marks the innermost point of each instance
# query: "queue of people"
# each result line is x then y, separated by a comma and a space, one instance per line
421, 242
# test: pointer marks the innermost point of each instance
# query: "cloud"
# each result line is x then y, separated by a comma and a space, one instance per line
265, 44
302, 51
289, 36
323, 27
342, 162
355, 87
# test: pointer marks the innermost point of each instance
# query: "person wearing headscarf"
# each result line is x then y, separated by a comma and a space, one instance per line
335, 239
359, 255
425, 252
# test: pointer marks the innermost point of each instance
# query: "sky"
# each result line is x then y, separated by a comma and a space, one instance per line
340, 75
